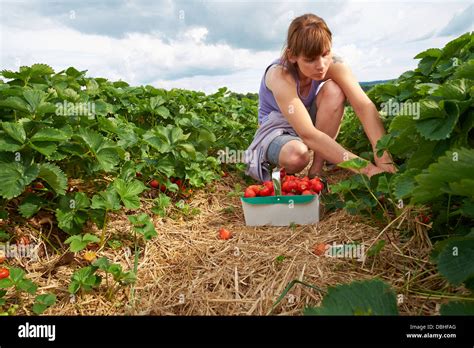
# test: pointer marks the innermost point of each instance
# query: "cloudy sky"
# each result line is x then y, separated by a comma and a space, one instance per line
207, 44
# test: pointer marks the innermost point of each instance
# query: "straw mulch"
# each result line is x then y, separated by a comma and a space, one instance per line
188, 270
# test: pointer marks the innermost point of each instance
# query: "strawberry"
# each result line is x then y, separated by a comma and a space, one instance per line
4, 273
292, 186
249, 193
265, 191
285, 187
154, 183
320, 249
255, 188
303, 186
268, 184
224, 234
317, 186
306, 192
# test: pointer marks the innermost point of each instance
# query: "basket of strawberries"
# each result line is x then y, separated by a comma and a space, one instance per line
285, 200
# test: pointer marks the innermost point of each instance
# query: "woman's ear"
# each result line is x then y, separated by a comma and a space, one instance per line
291, 57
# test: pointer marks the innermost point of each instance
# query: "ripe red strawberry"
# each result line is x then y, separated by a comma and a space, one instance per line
4, 273
255, 188
154, 183
285, 187
292, 186
268, 184
317, 186
306, 192
265, 191
249, 193
303, 186
320, 249
224, 234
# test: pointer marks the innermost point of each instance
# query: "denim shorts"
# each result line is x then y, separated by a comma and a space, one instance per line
274, 148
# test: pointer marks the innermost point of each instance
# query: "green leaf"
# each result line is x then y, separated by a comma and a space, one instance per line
105, 151
46, 148
43, 302
129, 192
456, 260
54, 176
143, 225
15, 130
457, 308
439, 127
466, 70
8, 144
369, 297
78, 243
72, 213
454, 167
30, 206
49, 134
14, 177
107, 200
403, 184
161, 203
102, 263
28, 286
355, 163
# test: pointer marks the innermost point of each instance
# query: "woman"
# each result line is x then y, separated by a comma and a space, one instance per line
301, 103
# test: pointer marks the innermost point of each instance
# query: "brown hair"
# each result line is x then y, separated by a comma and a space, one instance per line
309, 36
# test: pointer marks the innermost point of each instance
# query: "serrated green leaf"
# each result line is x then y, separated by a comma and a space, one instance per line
438, 128
456, 260
15, 130
49, 134
54, 176
404, 183
107, 200
143, 225
30, 206
129, 192
43, 302
370, 297
105, 151
355, 163
15, 177
456, 165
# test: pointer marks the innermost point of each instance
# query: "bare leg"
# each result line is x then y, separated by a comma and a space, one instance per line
330, 108
294, 156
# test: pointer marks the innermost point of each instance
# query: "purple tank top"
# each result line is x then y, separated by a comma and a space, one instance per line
267, 102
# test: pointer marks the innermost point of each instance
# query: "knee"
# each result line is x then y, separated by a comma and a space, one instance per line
296, 158
333, 94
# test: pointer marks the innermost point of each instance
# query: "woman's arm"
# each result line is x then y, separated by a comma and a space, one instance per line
284, 90
363, 108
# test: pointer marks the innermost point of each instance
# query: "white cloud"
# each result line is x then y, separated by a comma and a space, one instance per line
377, 40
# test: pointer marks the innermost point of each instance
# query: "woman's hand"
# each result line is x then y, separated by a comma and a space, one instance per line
385, 162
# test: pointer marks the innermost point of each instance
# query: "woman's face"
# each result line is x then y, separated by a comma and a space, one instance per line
314, 68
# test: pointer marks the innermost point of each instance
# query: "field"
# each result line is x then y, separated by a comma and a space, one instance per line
112, 198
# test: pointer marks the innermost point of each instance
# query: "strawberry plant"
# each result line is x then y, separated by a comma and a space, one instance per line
432, 145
